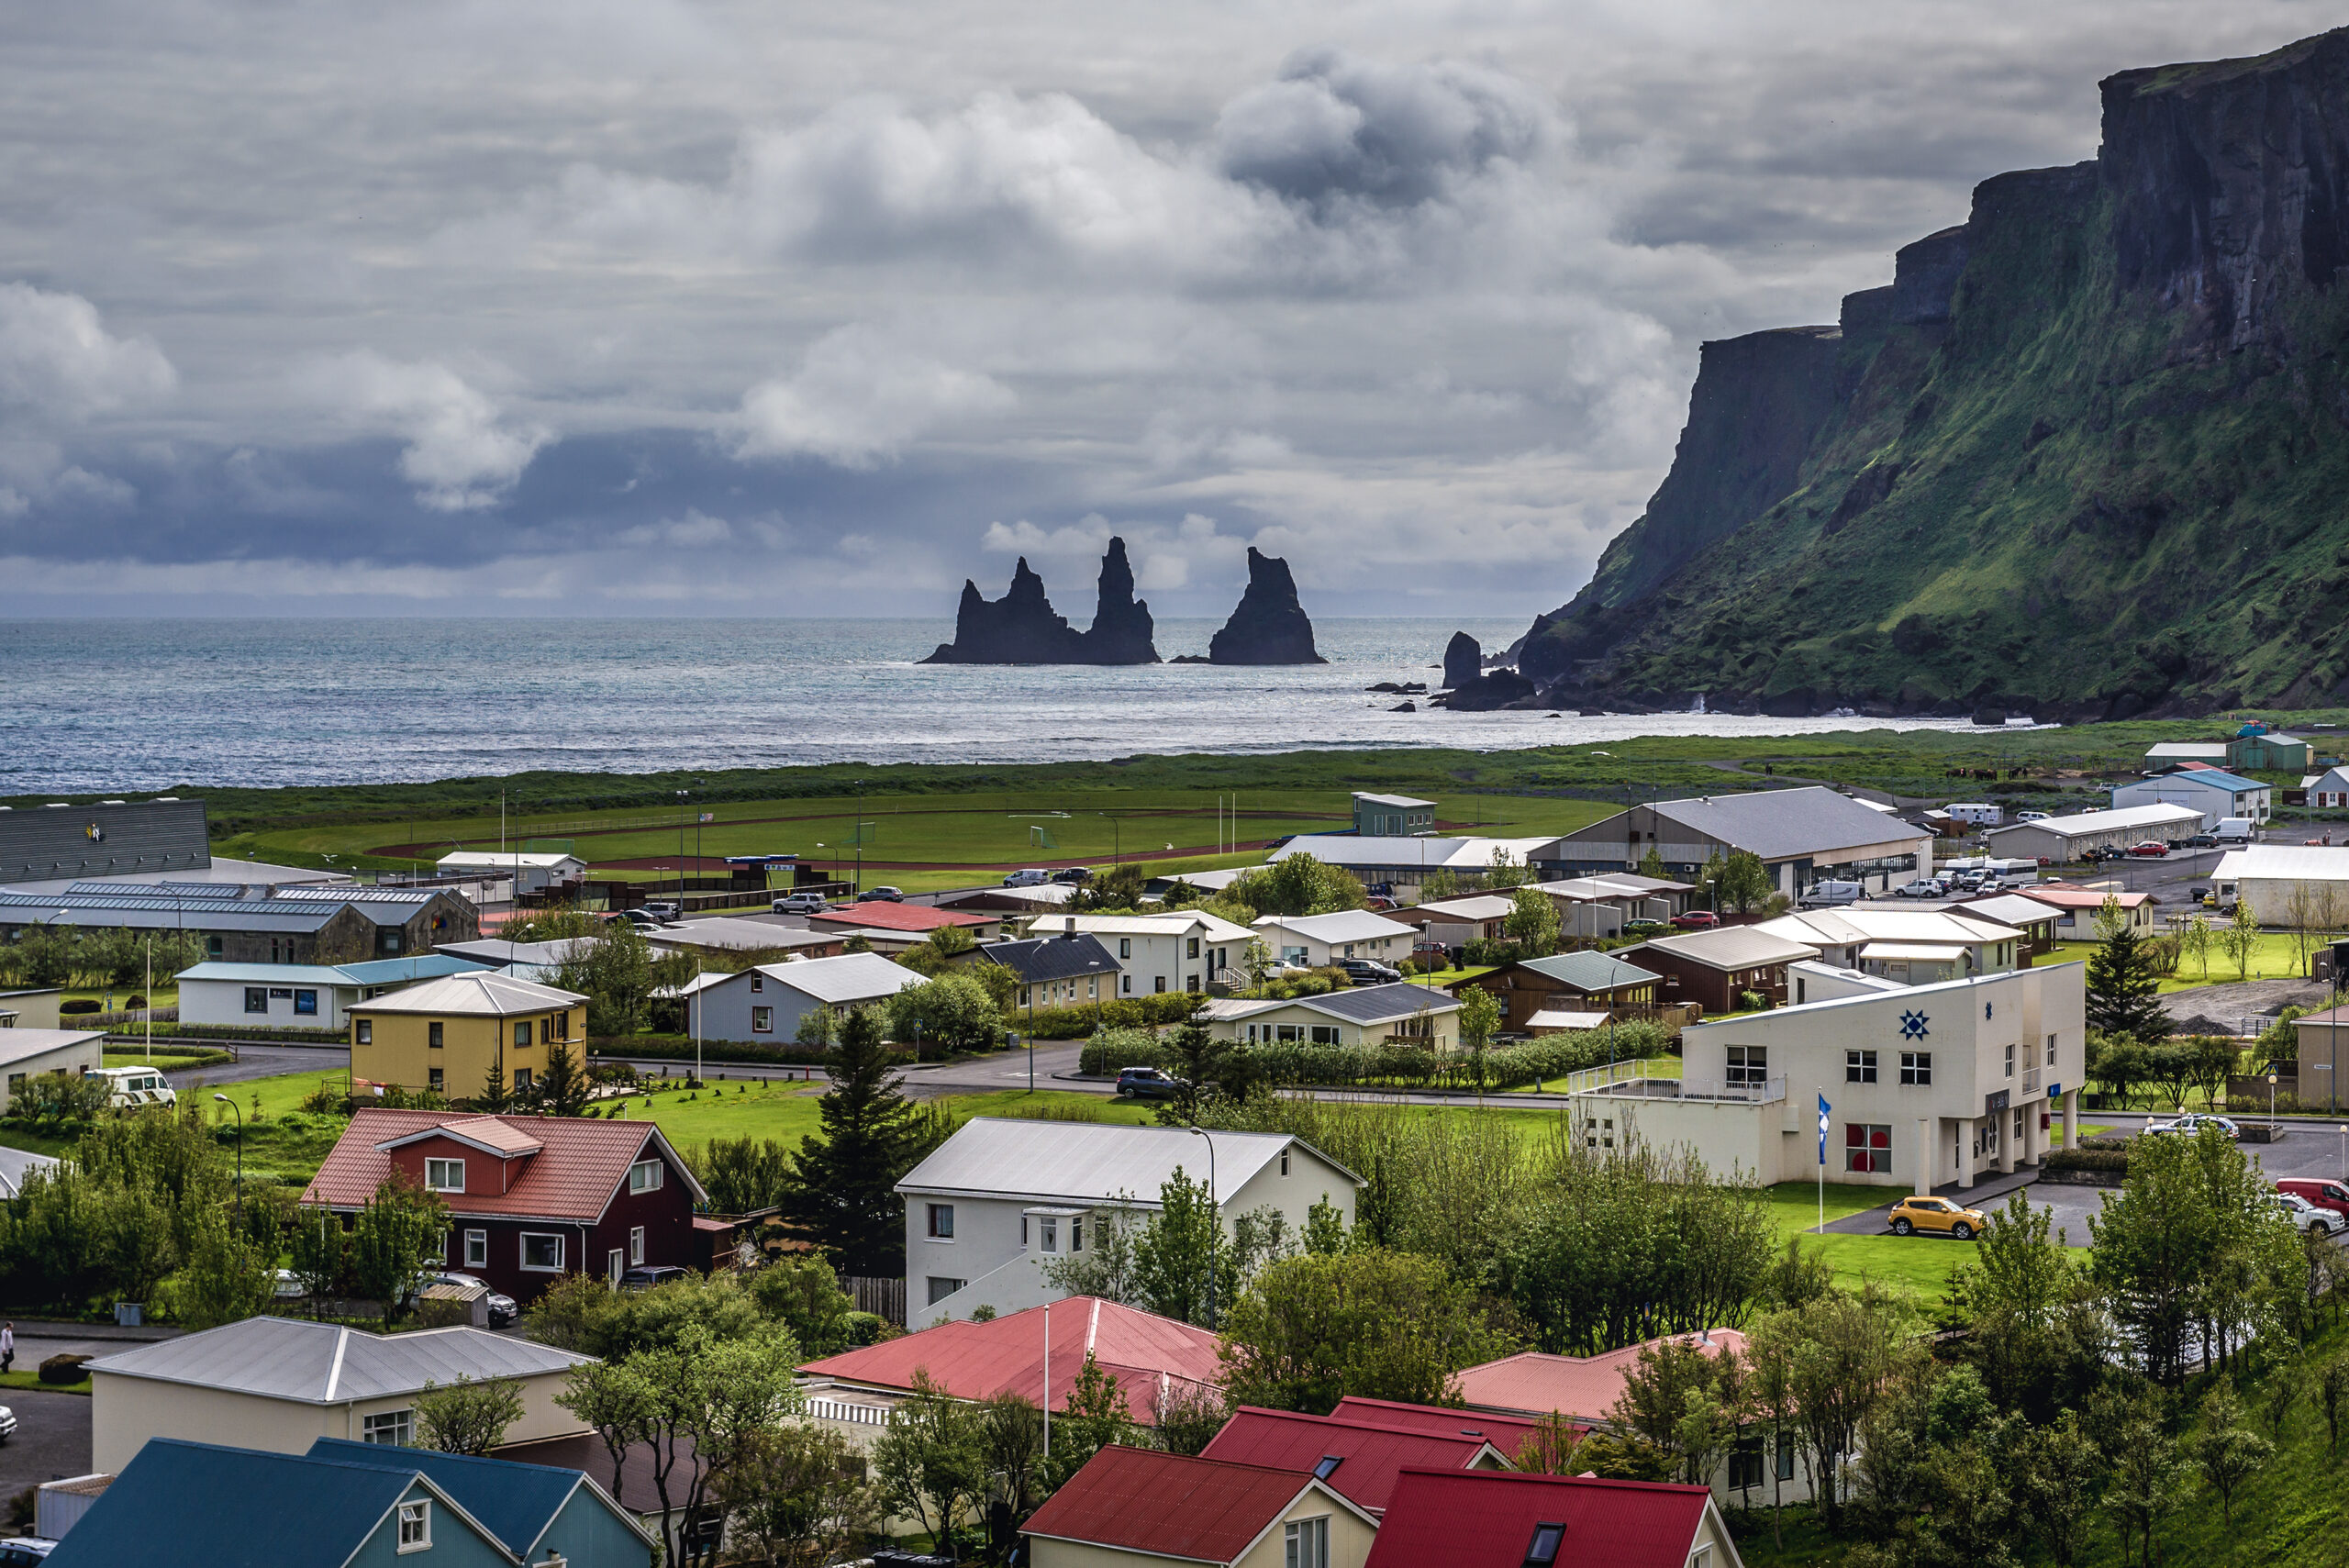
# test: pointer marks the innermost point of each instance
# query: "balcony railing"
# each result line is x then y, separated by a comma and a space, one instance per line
1631, 1088
2030, 1081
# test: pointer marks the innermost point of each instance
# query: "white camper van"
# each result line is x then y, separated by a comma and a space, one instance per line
2236, 829
137, 1086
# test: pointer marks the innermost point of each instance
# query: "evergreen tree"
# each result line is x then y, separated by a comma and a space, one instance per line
494, 1096
841, 1192
2121, 989
563, 1090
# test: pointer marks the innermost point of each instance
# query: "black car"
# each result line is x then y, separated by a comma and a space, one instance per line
646, 1277
1368, 972
1148, 1084
2204, 841
1074, 874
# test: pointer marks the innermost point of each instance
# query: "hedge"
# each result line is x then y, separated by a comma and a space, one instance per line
2088, 1157
258, 1036
1087, 1018
1353, 1066
669, 1048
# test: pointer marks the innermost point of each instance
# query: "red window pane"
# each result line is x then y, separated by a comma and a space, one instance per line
1880, 1138
1854, 1136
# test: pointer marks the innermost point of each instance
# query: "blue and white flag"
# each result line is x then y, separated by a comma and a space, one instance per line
1823, 1108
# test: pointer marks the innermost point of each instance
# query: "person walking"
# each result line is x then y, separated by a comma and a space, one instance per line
8, 1345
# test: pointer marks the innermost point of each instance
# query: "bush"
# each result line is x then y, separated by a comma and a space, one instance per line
2088, 1157
79, 1004
1086, 1018
1290, 1063
1111, 1049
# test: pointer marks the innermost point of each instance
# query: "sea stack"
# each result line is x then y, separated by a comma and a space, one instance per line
1269, 626
1022, 628
1463, 660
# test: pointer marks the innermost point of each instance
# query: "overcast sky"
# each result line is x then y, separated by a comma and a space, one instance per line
755, 308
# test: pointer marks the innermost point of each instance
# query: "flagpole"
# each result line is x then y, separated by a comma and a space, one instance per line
1824, 1109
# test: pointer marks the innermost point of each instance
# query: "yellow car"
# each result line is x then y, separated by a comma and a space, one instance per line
1937, 1215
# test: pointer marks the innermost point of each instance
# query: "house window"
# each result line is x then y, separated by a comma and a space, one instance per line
562, 1025
445, 1176
1867, 1148
1305, 1543
1701, 1557
1284, 1162
636, 1245
1027, 994
762, 1020
366, 1031
521, 1078
306, 1001
394, 1427
1786, 1469
1289, 1032
1745, 1462
1160, 984
1076, 1235
433, 1035
1859, 1067
1125, 947
1916, 1068
212, 945
2051, 1051
256, 999
1193, 950
1092, 988
758, 981
1325, 1034
476, 1249
541, 1252
434, 1079
1749, 1065
941, 1287
645, 1176
546, 1029
2010, 1061
1126, 984
416, 1525
1543, 1551
1048, 1235
522, 1031
941, 1222
615, 1265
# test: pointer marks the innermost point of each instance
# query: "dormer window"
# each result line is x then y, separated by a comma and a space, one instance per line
444, 1175
645, 1176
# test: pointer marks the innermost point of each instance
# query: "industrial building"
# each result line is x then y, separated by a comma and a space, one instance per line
1803, 835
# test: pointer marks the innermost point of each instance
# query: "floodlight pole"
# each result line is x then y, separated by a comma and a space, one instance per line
241, 1151
1215, 1221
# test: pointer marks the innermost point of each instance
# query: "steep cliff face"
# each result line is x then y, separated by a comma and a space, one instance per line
1022, 628
2083, 458
1268, 627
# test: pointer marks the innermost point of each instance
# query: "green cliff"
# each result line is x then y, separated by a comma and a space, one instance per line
2087, 457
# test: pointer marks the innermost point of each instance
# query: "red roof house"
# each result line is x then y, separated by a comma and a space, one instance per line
883, 916
1359, 1461
1535, 1384
1499, 1518
1507, 1433
1167, 1508
530, 1199
1147, 1355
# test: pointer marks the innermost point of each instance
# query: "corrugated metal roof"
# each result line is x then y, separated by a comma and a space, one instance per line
1586, 971
972, 1360
1730, 947
1401, 800
883, 915
572, 1178
1507, 1433
475, 994
1342, 926
1088, 1163
1380, 852
515, 1501
1379, 1004
320, 1363
1480, 907
848, 977
2233, 784
1369, 1455
2010, 909
1783, 824
1485, 1518
2284, 863
1201, 1510
2118, 819
1047, 959
1535, 1384
1181, 923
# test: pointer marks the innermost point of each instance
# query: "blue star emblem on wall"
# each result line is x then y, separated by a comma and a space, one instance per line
1912, 1025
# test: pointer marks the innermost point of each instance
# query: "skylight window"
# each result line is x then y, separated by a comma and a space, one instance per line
1328, 1467
1547, 1538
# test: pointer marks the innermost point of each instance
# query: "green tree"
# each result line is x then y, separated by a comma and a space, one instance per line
1189, 1415
1094, 1417
1011, 1447
1673, 1397
2196, 941
1532, 922
1652, 864
563, 1090
495, 1094
1179, 1251
1504, 871
2036, 1329
2145, 1479
1325, 1229
796, 1497
1480, 1014
469, 1416
320, 1255
953, 1013
2227, 1452
1312, 1329
1741, 883
841, 1192
2122, 988
2057, 1471
226, 1276
1844, 1350
802, 1292
392, 1242
2240, 940
2331, 1391
1297, 884
931, 1462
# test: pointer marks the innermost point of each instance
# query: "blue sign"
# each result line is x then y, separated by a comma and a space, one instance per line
1912, 1025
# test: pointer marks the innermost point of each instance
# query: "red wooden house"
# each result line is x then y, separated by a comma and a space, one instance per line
530, 1199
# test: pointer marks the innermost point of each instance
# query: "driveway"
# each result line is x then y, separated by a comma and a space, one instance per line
258, 1061
52, 1438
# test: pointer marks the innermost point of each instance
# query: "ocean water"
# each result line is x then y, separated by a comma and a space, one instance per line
143, 704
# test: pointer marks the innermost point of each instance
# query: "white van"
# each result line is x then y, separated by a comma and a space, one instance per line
1034, 876
1980, 814
137, 1086
1829, 895
2236, 830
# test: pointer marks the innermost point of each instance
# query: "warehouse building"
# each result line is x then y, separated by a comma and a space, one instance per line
2216, 795
2287, 885
267, 923
1804, 836
2059, 841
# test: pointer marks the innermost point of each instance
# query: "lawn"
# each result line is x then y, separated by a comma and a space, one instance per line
2276, 957
29, 1378
1920, 1263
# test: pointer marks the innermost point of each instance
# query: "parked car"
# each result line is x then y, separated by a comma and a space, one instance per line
288, 1286
2204, 841
1696, 920
2306, 1216
25, 1551
2030, 816
1074, 874
1148, 1084
1829, 895
637, 918
2321, 1191
2150, 849
2192, 1123
662, 908
1033, 876
801, 904
7, 1423
1369, 971
1923, 887
884, 894
651, 1274
1936, 1216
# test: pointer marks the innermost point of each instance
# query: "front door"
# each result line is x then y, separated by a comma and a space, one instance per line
615, 1264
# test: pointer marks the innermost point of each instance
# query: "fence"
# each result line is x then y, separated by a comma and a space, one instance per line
118, 1022
884, 1298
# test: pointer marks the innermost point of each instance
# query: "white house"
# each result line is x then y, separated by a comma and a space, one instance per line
301, 996
26, 1054
1924, 1086
2328, 791
1184, 950
2216, 795
763, 1005
532, 872
1317, 939
1364, 1015
1603, 905
1915, 947
1001, 1195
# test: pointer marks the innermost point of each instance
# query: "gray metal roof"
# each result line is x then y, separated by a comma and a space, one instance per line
1052, 958
1342, 926
1730, 947
848, 978
319, 1363
1783, 824
1089, 1162
1589, 970
43, 843
18, 1045
1379, 1004
1403, 800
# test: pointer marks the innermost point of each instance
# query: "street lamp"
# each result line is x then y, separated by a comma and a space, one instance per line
1215, 1219
241, 1151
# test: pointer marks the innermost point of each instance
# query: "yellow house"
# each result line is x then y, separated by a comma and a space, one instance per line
451, 1033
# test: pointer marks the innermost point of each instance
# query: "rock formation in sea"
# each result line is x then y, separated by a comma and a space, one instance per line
1022, 628
1464, 660
1471, 688
1269, 626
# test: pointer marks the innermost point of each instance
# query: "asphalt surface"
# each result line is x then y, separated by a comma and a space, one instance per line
52, 1438
257, 1061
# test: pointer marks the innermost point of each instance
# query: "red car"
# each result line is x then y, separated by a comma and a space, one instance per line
2150, 848
2321, 1191
1695, 919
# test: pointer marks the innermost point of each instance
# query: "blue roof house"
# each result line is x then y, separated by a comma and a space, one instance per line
186, 1504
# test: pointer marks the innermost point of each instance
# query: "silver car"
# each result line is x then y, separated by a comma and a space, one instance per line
2306, 1216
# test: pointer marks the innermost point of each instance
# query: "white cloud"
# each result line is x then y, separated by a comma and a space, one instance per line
859, 397
59, 365
1089, 536
464, 454
695, 531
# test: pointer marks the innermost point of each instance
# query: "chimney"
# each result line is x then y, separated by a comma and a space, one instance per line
1068, 925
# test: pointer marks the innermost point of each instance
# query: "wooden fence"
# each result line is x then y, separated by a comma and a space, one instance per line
886, 1298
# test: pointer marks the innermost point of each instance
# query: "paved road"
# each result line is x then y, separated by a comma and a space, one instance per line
52, 1438
261, 1061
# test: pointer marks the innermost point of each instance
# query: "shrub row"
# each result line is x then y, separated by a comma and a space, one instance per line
1087, 1018
2088, 1157
223, 1031
1351, 1066
669, 1048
